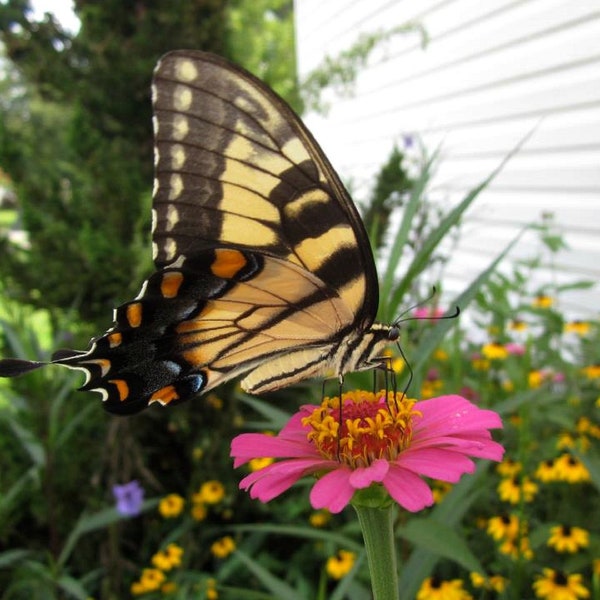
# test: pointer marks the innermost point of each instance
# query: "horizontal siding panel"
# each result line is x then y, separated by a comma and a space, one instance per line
493, 73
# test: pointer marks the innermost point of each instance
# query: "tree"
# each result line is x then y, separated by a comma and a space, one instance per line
76, 141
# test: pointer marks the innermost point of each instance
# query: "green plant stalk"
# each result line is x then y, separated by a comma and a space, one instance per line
378, 533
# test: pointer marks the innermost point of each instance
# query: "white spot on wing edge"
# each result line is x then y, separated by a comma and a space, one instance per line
182, 98
185, 70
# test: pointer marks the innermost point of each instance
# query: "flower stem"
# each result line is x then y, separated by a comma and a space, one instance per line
378, 533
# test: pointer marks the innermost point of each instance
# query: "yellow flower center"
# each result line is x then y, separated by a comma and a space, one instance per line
365, 428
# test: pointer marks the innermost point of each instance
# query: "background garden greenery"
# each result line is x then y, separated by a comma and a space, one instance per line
75, 151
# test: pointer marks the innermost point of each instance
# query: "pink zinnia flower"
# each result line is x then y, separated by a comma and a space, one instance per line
427, 312
515, 349
392, 443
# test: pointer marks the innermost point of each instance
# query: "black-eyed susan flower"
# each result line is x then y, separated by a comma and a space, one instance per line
319, 518
341, 564
479, 363
223, 547
211, 492
211, 589
591, 371
577, 327
517, 549
542, 301
151, 580
509, 467
440, 354
256, 464
496, 583
434, 588
171, 506
199, 511
546, 471
385, 440
564, 538
440, 489
518, 325
571, 469
512, 489
504, 527
536, 378
494, 351
556, 585
169, 558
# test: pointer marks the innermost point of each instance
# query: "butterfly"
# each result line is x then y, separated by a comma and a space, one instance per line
263, 265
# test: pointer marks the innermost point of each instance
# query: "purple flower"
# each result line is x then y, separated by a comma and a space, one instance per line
129, 498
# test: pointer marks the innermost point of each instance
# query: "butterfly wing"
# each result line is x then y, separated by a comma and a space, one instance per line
263, 264
236, 166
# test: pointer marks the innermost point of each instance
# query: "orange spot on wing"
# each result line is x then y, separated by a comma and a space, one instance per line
134, 314
164, 395
122, 388
194, 356
114, 339
227, 263
170, 284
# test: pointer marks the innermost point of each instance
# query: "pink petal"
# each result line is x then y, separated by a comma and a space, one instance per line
436, 463
407, 489
247, 446
333, 491
452, 415
276, 478
363, 477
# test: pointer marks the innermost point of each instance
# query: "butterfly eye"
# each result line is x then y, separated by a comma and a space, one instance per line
393, 333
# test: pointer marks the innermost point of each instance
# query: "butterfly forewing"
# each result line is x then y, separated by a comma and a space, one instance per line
234, 165
263, 265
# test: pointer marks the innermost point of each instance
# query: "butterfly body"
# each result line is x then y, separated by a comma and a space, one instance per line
263, 266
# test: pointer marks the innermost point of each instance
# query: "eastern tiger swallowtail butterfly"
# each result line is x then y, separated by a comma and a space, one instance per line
263, 265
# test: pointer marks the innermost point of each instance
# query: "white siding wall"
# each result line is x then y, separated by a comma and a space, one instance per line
493, 71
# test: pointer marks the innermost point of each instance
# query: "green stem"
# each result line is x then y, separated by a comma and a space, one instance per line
378, 532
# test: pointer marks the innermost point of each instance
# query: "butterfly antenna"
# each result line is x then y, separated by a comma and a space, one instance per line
410, 374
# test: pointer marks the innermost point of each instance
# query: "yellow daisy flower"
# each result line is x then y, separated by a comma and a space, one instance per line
199, 511
319, 518
518, 325
504, 527
168, 558
435, 589
171, 506
542, 301
509, 467
546, 471
493, 582
341, 564
223, 547
511, 489
211, 492
591, 371
571, 469
556, 585
578, 327
256, 464
568, 539
517, 549
494, 351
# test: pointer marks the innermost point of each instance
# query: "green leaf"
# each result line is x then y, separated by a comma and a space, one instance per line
276, 586
98, 520
11, 557
442, 540
450, 512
